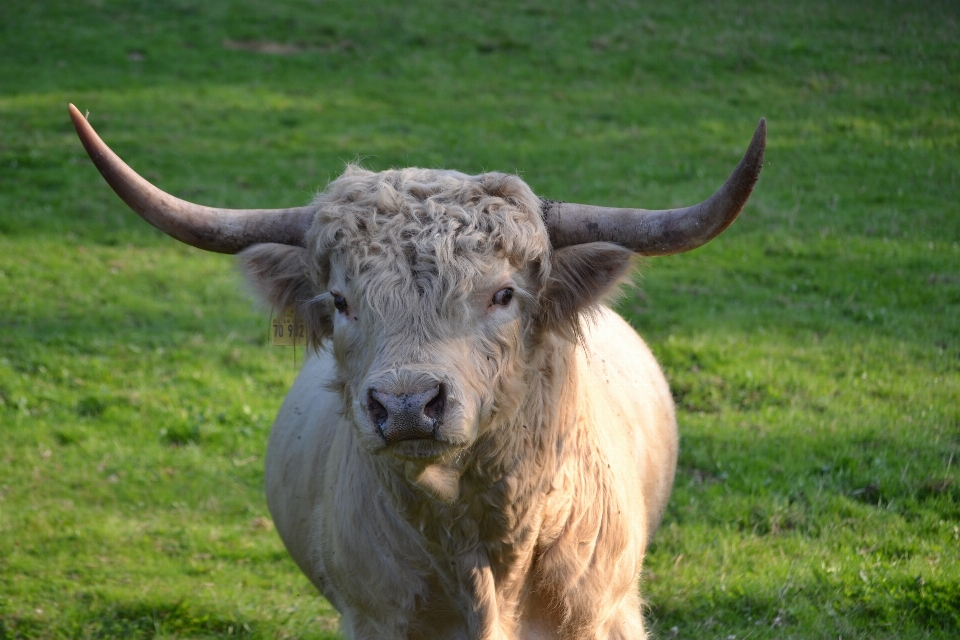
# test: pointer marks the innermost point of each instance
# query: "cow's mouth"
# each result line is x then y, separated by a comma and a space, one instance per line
424, 449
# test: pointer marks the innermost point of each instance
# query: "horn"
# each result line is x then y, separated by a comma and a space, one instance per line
208, 228
664, 232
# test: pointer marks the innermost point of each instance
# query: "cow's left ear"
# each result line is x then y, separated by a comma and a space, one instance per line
279, 274
581, 276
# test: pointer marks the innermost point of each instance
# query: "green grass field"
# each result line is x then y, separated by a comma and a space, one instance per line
813, 349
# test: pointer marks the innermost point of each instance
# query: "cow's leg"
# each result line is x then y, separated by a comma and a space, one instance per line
627, 622
481, 591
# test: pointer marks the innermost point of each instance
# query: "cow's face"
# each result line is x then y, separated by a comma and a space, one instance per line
424, 362
428, 282
434, 291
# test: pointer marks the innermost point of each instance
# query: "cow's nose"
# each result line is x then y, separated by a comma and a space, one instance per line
407, 416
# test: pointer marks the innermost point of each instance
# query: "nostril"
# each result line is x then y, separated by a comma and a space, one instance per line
434, 408
378, 412
414, 415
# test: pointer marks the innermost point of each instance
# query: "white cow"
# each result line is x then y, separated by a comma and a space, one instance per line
476, 447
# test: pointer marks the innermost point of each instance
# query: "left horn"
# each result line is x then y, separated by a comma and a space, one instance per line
664, 232
208, 228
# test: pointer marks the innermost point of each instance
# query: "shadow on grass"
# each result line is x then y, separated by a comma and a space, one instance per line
103, 620
899, 605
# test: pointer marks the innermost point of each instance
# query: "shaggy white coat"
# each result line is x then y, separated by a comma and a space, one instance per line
530, 517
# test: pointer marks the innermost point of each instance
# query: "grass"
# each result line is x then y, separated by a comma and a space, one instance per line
813, 349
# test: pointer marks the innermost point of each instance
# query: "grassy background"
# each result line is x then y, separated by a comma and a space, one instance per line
813, 349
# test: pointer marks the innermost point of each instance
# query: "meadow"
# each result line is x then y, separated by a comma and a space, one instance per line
813, 349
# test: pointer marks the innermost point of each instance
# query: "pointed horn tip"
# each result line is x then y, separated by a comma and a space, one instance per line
83, 128
74, 113
753, 157
752, 162
761, 133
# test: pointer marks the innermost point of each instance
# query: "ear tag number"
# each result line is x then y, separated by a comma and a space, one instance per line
288, 329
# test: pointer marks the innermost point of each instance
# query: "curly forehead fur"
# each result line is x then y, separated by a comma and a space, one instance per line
427, 227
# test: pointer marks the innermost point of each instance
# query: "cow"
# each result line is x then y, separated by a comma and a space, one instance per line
476, 446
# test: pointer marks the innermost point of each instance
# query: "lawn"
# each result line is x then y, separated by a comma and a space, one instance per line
813, 349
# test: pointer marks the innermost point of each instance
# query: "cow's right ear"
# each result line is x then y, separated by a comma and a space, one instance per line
280, 276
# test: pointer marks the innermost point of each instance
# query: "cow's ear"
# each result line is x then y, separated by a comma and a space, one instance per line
279, 275
581, 276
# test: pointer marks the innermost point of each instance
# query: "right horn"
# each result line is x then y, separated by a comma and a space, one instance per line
663, 232
208, 228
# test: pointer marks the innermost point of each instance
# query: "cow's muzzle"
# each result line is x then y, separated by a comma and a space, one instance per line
411, 415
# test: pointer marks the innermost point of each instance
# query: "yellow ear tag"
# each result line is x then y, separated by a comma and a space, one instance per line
288, 329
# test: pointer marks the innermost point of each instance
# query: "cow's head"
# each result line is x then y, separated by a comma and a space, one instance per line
434, 290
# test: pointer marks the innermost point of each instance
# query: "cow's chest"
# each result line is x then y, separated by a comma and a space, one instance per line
441, 571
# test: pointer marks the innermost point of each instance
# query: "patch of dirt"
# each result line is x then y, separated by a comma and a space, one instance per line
282, 49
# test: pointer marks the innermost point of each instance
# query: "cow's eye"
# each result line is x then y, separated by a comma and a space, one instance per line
340, 303
503, 297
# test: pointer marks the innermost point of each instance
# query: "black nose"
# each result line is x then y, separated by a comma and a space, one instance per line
407, 416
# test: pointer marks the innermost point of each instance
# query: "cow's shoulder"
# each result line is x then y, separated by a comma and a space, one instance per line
631, 408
